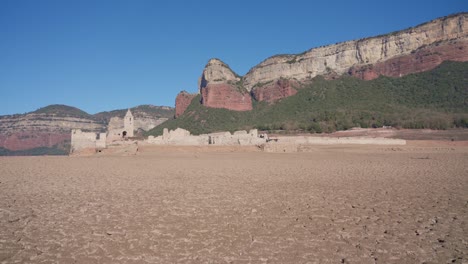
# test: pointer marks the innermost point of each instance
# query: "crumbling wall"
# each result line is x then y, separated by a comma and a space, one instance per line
81, 141
340, 140
301, 143
179, 137
182, 137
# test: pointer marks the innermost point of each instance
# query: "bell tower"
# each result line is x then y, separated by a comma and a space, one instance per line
128, 124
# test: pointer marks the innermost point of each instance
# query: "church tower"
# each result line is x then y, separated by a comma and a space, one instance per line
128, 124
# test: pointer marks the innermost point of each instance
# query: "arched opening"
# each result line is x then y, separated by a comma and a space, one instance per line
124, 134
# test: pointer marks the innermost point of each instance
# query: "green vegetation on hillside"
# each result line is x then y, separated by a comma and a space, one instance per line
104, 117
138, 111
436, 99
62, 110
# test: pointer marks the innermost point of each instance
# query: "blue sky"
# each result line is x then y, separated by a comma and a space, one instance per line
100, 55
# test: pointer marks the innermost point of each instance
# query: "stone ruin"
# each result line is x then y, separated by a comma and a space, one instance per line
182, 137
118, 132
87, 141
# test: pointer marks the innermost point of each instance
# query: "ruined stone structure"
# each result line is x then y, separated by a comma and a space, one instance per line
183, 137
90, 142
86, 141
303, 143
129, 127
118, 130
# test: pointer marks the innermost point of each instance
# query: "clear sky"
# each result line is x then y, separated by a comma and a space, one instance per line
100, 55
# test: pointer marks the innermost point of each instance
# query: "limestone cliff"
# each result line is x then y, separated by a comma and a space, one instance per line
220, 87
412, 50
396, 54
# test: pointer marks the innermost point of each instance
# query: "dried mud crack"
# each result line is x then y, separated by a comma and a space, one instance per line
334, 205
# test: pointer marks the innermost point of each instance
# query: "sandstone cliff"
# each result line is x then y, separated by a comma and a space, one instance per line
416, 49
275, 90
33, 130
428, 38
182, 101
220, 87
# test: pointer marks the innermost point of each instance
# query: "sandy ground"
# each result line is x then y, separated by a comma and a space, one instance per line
335, 204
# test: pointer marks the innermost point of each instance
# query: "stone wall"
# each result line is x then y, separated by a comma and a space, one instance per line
183, 137
243, 138
300, 143
85, 141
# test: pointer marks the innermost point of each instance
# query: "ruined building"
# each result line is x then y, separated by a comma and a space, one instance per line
118, 130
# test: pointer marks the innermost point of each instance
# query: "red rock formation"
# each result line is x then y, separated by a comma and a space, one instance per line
223, 95
31, 139
273, 92
413, 50
183, 100
220, 87
424, 59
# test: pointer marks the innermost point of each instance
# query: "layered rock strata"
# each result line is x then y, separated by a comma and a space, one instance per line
182, 101
220, 87
394, 54
22, 132
275, 90
416, 49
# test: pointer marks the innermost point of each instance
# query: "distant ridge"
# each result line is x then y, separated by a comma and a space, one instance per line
435, 99
61, 110
396, 54
47, 130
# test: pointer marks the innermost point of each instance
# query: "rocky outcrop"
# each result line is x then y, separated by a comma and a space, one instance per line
51, 126
30, 140
275, 90
220, 87
423, 59
29, 131
449, 32
182, 101
226, 96
416, 49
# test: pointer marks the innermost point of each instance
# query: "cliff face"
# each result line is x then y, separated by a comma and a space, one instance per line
50, 127
30, 140
423, 59
182, 101
275, 90
413, 50
21, 132
446, 38
220, 87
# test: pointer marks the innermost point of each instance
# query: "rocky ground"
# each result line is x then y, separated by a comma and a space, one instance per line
335, 204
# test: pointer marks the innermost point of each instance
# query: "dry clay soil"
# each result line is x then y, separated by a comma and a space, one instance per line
334, 204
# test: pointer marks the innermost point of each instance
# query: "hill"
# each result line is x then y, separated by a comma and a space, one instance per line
61, 110
46, 131
138, 112
435, 99
396, 54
